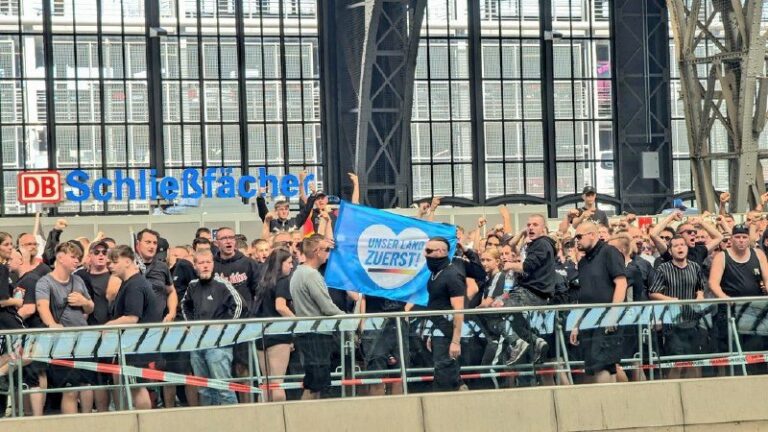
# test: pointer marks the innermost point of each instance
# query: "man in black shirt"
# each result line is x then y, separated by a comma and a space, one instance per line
688, 230
602, 280
447, 289
536, 285
379, 341
29, 248
157, 273
134, 304
590, 212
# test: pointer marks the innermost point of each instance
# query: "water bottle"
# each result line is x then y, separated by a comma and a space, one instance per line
509, 284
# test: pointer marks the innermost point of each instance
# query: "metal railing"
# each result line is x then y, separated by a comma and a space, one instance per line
92, 348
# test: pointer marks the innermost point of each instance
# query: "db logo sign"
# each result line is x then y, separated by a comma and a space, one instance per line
39, 187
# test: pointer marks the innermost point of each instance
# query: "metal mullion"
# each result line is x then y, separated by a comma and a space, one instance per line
548, 109
102, 98
573, 102
475, 47
181, 86
77, 92
220, 82
242, 99
450, 95
201, 89
23, 113
263, 85
429, 103
301, 87
501, 92
126, 57
284, 83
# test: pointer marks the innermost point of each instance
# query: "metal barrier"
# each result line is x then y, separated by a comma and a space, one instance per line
104, 349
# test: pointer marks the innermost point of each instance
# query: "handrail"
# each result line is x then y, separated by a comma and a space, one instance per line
411, 314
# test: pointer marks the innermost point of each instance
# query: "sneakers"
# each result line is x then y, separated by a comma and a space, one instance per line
516, 351
540, 349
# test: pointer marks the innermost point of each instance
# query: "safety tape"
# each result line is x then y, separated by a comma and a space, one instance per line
180, 379
154, 375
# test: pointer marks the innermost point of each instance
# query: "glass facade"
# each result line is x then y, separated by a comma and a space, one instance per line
239, 84
511, 113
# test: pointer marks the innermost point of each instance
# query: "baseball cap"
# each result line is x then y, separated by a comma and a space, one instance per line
740, 229
589, 190
320, 194
101, 244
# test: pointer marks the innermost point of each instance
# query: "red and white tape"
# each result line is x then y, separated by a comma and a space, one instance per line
155, 375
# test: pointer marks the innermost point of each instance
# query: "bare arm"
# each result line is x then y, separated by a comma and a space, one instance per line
173, 302
282, 307
661, 245
763, 268
506, 219
44, 310
355, 188
620, 289
113, 286
715, 236
716, 275
126, 319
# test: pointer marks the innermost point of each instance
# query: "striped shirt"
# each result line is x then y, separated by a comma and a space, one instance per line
681, 283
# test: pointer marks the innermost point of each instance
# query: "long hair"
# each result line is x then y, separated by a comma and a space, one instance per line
274, 270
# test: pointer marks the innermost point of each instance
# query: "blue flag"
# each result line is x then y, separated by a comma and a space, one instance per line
381, 254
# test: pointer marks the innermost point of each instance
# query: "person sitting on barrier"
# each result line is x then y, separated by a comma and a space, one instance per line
63, 301
680, 279
535, 287
602, 279
211, 297
133, 304
273, 300
310, 299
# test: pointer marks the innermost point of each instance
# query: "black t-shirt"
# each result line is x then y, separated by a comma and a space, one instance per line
375, 304
448, 282
27, 283
100, 313
636, 282
159, 276
597, 270
136, 298
281, 290
183, 273
9, 319
598, 216
41, 270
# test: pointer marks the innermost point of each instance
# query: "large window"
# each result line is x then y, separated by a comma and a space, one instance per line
441, 128
510, 118
23, 128
201, 85
100, 93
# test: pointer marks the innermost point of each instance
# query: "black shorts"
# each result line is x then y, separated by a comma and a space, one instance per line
63, 377
380, 348
316, 350
269, 341
32, 373
601, 350
684, 340
175, 362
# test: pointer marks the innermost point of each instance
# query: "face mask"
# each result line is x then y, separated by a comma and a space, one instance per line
436, 264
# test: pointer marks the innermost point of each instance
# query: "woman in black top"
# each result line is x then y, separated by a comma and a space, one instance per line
273, 296
9, 303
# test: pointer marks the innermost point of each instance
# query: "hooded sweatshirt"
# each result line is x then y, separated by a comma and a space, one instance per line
241, 271
539, 274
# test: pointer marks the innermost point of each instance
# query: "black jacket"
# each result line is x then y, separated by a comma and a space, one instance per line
241, 271
212, 299
539, 274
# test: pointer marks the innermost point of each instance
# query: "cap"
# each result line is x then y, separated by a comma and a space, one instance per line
589, 190
320, 194
100, 243
740, 229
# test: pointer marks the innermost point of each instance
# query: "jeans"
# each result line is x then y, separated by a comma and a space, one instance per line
520, 324
215, 363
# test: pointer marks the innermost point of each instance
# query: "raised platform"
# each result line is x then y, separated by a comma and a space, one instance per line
718, 404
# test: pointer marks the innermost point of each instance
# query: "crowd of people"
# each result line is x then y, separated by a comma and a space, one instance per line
589, 259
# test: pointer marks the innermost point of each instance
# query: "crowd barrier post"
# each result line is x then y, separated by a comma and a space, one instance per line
253, 365
732, 325
11, 385
730, 335
342, 355
401, 352
562, 353
651, 355
124, 381
20, 374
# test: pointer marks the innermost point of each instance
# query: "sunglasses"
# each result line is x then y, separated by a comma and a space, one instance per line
325, 249
691, 232
666, 238
429, 251
99, 252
